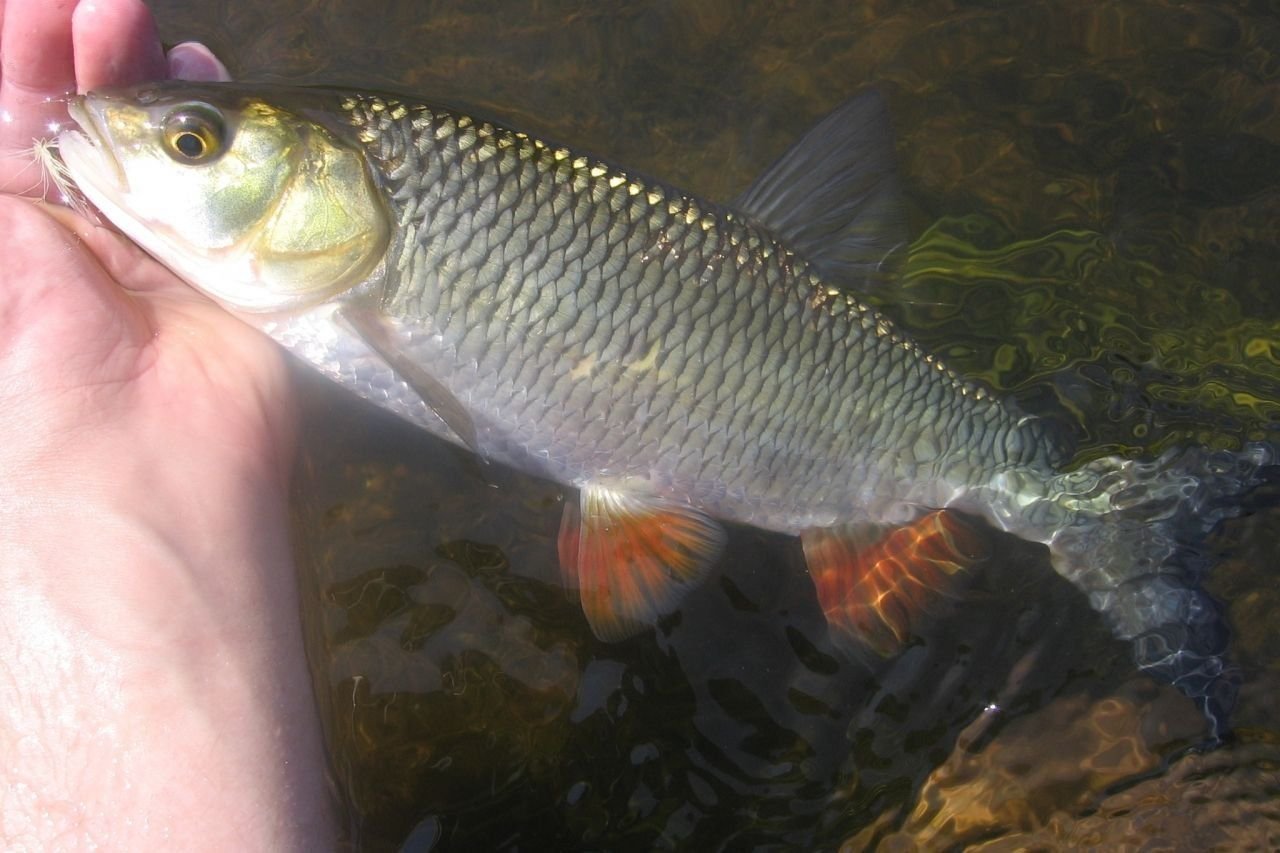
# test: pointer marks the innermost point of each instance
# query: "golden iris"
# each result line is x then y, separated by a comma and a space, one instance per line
194, 133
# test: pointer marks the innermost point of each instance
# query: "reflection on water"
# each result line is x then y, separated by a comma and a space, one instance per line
1095, 194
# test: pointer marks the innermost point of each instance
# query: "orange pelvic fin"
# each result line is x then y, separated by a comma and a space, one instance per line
633, 557
873, 590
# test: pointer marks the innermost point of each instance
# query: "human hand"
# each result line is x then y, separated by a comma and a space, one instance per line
150, 646
52, 49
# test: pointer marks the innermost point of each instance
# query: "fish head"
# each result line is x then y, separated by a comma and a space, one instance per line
261, 207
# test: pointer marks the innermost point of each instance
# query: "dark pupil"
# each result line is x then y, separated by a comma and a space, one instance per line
189, 144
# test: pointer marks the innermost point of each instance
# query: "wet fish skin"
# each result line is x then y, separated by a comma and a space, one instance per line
604, 325
676, 360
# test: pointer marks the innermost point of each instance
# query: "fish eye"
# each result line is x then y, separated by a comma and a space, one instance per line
194, 133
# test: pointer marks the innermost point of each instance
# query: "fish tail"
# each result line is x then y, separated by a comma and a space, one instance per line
1131, 535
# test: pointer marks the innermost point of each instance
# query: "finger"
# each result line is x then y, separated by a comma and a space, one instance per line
123, 261
115, 44
193, 61
35, 65
36, 47
54, 292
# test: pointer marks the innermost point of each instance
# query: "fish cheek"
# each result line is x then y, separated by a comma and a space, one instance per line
206, 206
328, 229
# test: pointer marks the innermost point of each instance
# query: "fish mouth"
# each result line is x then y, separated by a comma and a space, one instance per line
92, 158
85, 152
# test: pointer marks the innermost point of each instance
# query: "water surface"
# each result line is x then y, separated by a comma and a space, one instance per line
1094, 192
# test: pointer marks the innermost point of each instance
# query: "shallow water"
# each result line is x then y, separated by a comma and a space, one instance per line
1095, 200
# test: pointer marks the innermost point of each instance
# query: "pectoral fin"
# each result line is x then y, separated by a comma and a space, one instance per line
633, 557
381, 338
873, 585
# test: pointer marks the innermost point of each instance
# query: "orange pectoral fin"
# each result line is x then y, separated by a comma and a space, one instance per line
633, 557
874, 591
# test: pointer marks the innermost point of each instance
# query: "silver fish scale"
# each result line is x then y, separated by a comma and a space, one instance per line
601, 327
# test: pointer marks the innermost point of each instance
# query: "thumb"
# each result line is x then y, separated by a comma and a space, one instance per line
121, 259
63, 320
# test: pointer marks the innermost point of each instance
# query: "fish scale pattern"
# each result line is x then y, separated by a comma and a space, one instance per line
601, 325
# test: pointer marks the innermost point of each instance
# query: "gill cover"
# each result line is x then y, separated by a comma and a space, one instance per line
259, 207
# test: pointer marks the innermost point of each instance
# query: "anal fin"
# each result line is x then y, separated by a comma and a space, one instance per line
873, 591
633, 557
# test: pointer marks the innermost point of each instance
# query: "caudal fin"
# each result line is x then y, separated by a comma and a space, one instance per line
1131, 535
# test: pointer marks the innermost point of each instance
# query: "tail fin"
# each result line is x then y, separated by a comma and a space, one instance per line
1131, 535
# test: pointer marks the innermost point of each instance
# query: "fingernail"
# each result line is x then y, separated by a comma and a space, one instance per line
193, 61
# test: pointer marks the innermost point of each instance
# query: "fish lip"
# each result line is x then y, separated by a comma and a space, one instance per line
90, 135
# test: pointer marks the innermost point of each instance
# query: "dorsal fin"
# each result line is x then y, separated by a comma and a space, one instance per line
834, 197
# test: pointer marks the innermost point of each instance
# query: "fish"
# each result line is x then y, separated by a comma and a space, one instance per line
682, 364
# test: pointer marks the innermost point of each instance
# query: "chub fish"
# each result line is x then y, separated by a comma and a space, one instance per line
678, 362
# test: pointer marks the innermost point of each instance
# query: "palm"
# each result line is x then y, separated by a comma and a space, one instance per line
91, 353
91, 319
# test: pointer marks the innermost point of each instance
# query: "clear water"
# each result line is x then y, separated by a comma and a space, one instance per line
1095, 197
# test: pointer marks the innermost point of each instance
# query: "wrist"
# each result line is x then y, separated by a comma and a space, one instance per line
151, 640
